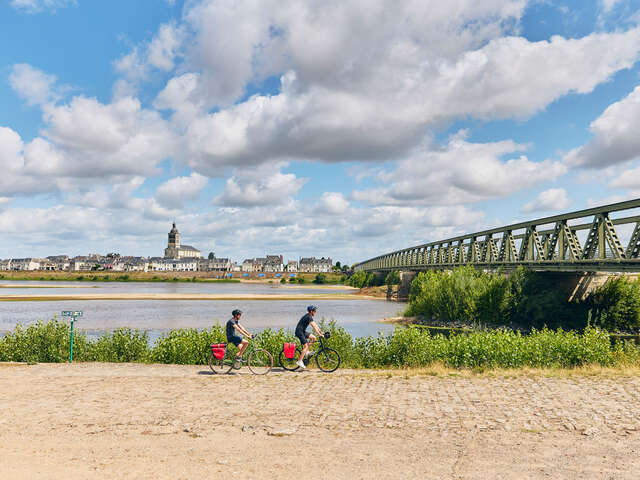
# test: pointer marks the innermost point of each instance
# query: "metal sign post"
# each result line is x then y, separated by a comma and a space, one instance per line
73, 315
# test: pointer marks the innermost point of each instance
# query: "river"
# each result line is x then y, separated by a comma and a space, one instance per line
359, 316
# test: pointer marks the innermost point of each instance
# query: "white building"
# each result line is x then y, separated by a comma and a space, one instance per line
247, 265
24, 264
315, 265
292, 266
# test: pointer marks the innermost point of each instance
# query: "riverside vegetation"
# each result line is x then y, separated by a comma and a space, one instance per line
559, 334
405, 347
523, 300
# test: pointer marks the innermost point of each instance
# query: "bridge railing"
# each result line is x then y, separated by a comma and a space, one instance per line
585, 240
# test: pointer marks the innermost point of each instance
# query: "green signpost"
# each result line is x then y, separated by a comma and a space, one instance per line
73, 314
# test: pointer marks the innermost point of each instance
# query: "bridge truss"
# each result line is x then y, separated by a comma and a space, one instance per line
585, 240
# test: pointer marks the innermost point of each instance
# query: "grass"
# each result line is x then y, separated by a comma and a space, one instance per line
411, 348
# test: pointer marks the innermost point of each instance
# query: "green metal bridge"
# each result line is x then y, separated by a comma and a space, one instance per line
582, 241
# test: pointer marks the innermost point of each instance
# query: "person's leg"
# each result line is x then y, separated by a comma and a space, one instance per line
243, 346
305, 349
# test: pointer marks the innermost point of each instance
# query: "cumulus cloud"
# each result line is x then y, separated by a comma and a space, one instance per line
332, 203
548, 200
98, 139
629, 179
35, 6
157, 54
262, 186
365, 86
176, 191
32, 84
460, 172
615, 136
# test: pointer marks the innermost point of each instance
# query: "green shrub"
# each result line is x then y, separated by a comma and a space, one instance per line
406, 347
392, 278
320, 278
187, 346
615, 305
42, 342
122, 345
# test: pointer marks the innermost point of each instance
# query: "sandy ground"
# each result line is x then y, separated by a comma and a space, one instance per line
181, 422
16, 297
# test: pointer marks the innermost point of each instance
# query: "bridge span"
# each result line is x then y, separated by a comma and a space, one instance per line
582, 241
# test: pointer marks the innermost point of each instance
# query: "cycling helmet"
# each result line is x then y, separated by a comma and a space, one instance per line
236, 312
312, 307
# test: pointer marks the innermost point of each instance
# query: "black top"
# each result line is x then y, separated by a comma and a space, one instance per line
232, 332
304, 322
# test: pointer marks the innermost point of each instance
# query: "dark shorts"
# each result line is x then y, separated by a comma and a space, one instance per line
235, 339
302, 336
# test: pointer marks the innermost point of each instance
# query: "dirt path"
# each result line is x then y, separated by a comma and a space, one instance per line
157, 421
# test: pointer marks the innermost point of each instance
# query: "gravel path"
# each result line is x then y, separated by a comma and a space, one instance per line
168, 421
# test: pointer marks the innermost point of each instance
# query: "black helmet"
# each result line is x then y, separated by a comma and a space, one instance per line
236, 312
312, 307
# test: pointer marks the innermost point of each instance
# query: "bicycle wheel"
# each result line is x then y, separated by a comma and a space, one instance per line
221, 366
290, 364
260, 362
328, 360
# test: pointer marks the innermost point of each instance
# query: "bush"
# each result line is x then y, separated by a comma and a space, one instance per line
122, 345
615, 306
361, 279
187, 346
392, 278
320, 278
42, 342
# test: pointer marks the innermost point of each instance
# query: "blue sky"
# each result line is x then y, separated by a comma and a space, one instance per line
344, 129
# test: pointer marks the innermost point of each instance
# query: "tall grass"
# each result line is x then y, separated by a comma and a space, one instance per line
406, 347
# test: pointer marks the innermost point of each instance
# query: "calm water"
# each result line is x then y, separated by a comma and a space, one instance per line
358, 317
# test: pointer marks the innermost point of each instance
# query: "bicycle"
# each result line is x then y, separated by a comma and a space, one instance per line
259, 361
327, 359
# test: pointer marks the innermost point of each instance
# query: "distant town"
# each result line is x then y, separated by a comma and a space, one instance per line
177, 258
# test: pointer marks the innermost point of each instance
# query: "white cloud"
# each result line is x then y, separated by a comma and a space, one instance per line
629, 179
332, 203
263, 186
98, 139
176, 191
549, 200
607, 5
159, 53
615, 136
35, 6
32, 84
461, 172
365, 83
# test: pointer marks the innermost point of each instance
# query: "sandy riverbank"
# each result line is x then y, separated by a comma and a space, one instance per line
180, 422
174, 296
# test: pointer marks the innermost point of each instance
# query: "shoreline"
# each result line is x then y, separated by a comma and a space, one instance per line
177, 296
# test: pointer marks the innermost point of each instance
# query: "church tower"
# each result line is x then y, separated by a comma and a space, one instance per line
173, 245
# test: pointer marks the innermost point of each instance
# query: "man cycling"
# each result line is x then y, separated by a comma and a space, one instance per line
235, 332
305, 337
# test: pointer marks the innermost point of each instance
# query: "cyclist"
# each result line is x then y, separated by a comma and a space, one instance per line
305, 337
235, 332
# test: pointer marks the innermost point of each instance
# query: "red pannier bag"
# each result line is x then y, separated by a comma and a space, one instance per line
289, 350
218, 350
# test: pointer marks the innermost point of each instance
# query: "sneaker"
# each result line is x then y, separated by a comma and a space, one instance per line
301, 365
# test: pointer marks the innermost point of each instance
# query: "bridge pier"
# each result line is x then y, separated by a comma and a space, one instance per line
406, 277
